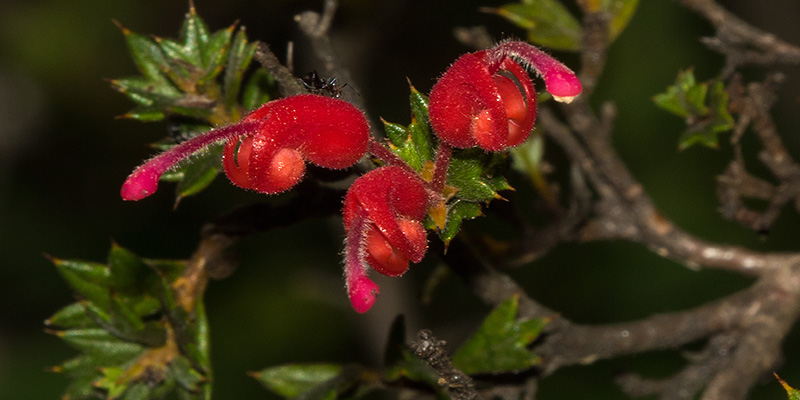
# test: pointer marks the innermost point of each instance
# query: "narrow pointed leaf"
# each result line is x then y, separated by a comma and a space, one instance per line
147, 55
295, 379
100, 344
239, 58
396, 133
457, 212
71, 316
90, 280
197, 175
793, 393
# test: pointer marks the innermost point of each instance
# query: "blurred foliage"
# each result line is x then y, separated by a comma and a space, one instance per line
704, 105
136, 340
549, 23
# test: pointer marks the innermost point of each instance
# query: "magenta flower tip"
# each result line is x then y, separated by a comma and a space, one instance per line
564, 86
140, 184
363, 292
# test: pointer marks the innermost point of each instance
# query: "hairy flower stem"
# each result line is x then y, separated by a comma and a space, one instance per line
361, 290
144, 180
440, 167
560, 81
378, 150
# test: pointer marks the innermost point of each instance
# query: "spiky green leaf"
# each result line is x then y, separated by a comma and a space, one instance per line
500, 344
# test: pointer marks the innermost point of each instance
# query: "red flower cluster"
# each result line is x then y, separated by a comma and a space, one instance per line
484, 99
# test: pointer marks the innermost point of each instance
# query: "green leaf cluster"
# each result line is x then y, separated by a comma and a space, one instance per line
549, 23
704, 105
413, 143
195, 82
135, 341
474, 176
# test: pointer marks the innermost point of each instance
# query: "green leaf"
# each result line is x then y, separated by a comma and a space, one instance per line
703, 105
147, 55
143, 91
457, 212
685, 98
239, 57
548, 23
90, 280
82, 388
145, 114
396, 133
257, 90
620, 12
198, 174
126, 270
102, 345
414, 144
793, 393
295, 379
71, 316
476, 175
419, 128
185, 375
500, 344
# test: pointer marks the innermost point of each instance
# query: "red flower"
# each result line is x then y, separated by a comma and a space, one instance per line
266, 151
383, 210
486, 99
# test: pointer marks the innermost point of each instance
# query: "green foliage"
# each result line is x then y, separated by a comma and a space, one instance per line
703, 105
135, 341
291, 381
413, 143
474, 176
550, 24
501, 343
195, 81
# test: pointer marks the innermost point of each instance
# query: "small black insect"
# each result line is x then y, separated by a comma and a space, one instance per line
313, 83
181, 128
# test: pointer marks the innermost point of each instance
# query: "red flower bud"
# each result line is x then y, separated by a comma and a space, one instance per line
486, 99
383, 210
266, 151
328, 132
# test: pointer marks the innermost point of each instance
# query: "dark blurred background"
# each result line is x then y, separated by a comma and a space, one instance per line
63, 156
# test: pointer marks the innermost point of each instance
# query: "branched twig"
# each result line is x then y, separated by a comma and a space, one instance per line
740, 42
752, 104
317, 28
287, 82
